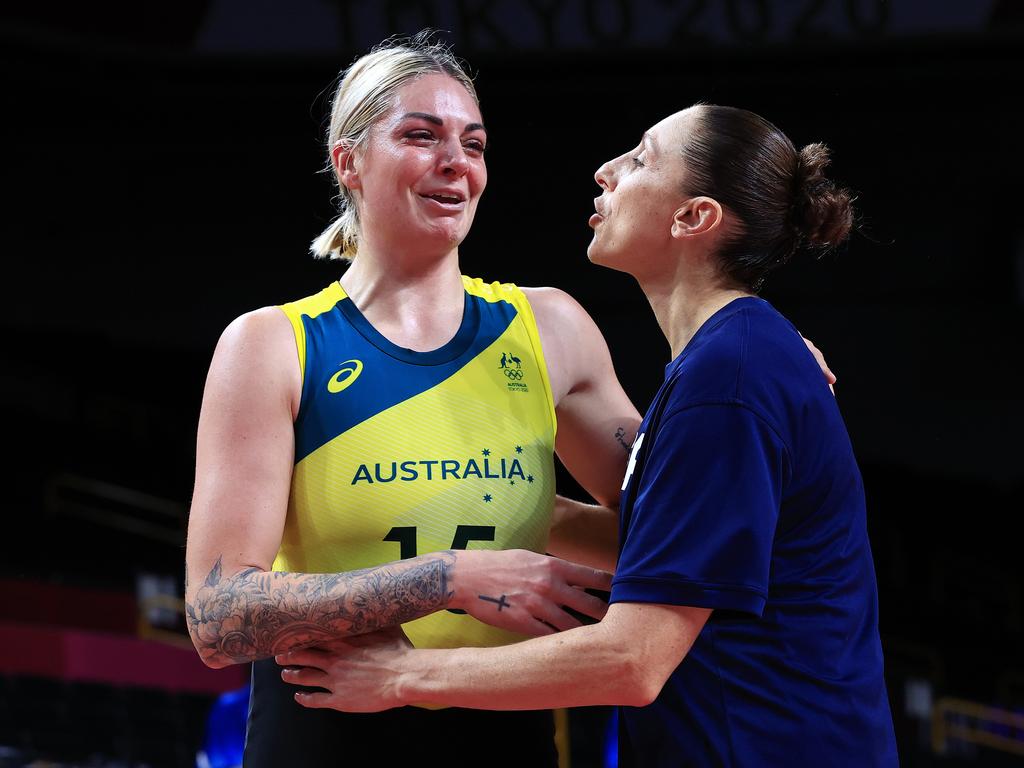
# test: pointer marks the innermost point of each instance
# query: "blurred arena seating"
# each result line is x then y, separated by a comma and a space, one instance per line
80, 686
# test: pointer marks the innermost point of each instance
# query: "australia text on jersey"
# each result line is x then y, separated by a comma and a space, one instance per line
440, 469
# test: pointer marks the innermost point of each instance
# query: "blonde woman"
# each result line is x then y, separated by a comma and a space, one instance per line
364, 453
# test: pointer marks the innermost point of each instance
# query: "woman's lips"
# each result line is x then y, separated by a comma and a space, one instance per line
448, 205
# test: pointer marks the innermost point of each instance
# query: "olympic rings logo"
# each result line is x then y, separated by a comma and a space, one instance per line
513, 374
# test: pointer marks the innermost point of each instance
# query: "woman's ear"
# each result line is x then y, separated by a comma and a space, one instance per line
343, 158
697, 216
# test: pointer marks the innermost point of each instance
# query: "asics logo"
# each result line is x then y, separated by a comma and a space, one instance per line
345, 376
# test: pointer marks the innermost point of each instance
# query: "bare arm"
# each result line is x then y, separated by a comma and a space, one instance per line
585, 533
256, 613
628, 657
596, 426
239, 610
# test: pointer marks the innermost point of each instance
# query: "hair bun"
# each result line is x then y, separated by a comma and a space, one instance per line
823, 211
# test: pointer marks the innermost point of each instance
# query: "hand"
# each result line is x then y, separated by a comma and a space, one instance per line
524, 592
820, 359
360, 673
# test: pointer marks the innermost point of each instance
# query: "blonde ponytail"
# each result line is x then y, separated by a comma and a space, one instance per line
341, 238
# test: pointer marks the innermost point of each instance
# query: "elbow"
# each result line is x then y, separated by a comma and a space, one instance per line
206, 642
642, 683
635, 675
206, 648
646, 688
214, 661
609, 497
210, 654
651, 691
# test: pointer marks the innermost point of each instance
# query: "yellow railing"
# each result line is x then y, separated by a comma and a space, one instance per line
150, 632
972, 722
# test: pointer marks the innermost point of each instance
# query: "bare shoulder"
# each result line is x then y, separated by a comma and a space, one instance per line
259, 346
258, 329
574, 348
558, 312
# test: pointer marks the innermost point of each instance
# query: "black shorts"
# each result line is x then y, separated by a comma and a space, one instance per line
280, 732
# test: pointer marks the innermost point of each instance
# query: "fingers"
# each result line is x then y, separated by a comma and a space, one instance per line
303, 657
553, 617
322, 700
820, 359
533, 594
583, 576
317, 700
310, 677
584, 603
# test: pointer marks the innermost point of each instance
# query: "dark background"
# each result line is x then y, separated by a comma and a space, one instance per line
161, 176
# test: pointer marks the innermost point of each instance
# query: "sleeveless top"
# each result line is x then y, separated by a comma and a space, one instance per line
400, 453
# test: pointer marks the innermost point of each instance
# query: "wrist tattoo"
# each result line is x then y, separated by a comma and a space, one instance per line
256, 614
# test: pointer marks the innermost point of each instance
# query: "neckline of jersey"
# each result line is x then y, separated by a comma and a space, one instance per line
720, 315
446, 353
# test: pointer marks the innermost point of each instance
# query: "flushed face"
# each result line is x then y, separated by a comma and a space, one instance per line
421, 171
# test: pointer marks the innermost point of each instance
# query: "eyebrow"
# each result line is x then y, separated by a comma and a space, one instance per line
438, 121
650, 140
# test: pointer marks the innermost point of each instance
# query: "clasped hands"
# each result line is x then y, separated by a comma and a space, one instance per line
516, 590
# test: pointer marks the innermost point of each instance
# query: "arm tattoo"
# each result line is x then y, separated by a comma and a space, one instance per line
255, 614
620, 435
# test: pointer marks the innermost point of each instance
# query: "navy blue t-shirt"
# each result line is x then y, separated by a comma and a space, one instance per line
743, 495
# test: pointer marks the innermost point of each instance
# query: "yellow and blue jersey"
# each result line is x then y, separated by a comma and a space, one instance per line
400, 453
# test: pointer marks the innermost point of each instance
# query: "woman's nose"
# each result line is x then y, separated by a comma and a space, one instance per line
454, 161
603, 176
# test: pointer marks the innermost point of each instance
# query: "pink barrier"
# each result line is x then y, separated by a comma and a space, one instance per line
37, 602
72, 654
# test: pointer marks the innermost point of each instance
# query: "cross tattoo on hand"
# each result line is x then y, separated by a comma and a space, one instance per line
502, 603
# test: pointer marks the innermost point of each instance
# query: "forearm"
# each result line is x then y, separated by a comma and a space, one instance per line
581, 667
255, 614
585, 533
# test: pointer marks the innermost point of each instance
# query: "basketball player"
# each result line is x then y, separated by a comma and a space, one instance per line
743, 626
364, 453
